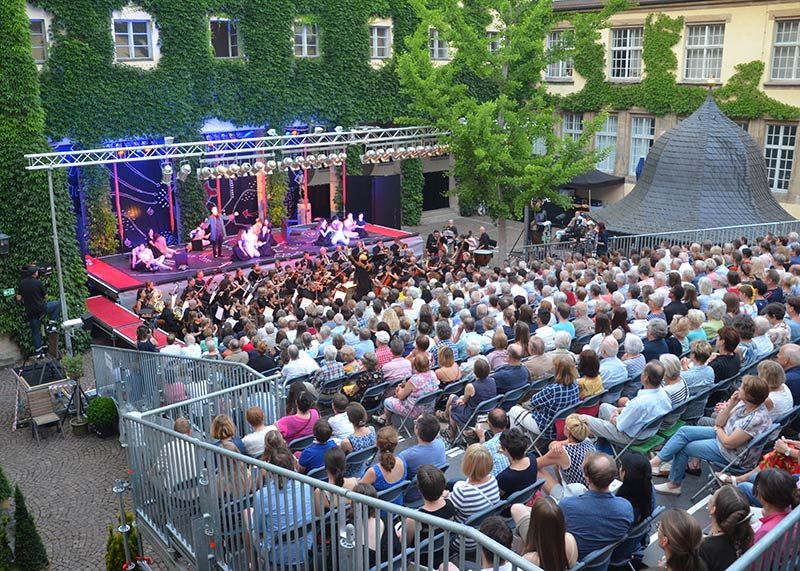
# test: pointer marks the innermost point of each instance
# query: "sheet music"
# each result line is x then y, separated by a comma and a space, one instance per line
219, 313
268, 311
339, 295
305, 302
248, 299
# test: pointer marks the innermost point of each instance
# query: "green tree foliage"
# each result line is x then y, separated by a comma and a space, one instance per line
492, 137
5, 486
115, 548
413, 181
6, 556
277, 185
192, 199
29, 551
25, 215
102, 222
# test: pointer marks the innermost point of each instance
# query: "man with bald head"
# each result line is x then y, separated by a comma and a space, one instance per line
484, 241
789, 359
513, 374
597, 518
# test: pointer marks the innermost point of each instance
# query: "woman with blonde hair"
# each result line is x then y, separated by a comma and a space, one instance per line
448, 371
480, 488
561, 467
780, 397
499, 356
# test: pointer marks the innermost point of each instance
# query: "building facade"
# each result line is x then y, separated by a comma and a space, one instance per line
714, 36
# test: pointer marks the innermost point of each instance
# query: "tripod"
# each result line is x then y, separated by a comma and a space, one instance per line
81, 401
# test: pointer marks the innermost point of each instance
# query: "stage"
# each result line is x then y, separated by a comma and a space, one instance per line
112, 275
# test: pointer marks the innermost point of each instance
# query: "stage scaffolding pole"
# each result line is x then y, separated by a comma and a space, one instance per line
59, 271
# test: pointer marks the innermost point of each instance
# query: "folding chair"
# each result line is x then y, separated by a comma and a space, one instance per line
372, 401
522, 496
359, 459
423, 401
394, 492
320, 474
622, 554
456, 388
561, 414
328, 389
513, 397
734, 467
40, 405
646, 445
483, 408
599, 559
299, 444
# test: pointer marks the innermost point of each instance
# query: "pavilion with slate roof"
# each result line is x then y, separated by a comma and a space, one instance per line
706, 172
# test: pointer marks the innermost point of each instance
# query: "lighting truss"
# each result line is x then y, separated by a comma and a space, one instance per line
236, 150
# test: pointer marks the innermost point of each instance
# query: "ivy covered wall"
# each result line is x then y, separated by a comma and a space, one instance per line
659, 91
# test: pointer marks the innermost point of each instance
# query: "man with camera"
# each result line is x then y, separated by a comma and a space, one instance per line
32, 294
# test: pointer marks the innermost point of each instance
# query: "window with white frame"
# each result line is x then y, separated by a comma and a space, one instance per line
606, 138
626, 53
559, 69
380, 42
704, 52
225, 38
786, 50
643, 133
494, 41
132, 40
437, 46
779, 153
306, 40
539, 146
38, 40
572, 125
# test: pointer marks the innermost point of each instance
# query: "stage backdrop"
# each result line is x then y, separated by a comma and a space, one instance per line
235, 195
144, 202
378, 197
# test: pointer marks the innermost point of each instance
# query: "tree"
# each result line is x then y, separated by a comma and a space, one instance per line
492, 101
25, 214
29, 551
102, 223
5, 486
6, 556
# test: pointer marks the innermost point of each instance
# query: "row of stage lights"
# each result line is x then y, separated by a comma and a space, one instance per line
299, 162
386, 154
234, 170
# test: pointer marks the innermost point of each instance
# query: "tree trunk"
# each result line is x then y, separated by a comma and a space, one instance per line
501, 240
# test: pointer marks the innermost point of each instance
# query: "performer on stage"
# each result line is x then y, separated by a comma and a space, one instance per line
323, 233
338, 235
350, 227
158, 244
142, 258
216, 227
241, 251
264, 239
361, 225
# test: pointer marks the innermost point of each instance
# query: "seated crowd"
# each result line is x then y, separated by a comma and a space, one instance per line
590, 376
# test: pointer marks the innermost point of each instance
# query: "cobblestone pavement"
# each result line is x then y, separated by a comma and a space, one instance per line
67, 485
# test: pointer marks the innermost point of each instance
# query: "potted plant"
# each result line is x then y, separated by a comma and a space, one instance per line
73, 367
115, 548
102, 415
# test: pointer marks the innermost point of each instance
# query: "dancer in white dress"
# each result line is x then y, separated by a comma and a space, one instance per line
338, 235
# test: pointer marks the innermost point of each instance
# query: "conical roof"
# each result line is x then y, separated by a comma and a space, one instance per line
706, 172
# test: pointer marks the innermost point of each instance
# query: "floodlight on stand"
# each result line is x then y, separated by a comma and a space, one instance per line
184, 172
166, 174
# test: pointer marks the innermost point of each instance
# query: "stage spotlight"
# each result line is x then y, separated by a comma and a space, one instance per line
370, 154
343, 156
391, 152
287, 162
221, 170
166, 174
311, 160
336, 159
206, 172
272, 133
184, 171
338, 129
318, 130
258, 166
420, 151
301, 161
234, 169
401, 153
272, 165
247, 169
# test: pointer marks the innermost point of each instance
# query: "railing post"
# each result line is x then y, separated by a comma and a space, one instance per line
120, 488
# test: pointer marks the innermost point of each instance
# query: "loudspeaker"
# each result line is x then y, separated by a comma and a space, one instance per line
182, 260
40, 372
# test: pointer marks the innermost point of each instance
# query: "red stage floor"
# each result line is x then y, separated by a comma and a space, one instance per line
118, 321
113, 275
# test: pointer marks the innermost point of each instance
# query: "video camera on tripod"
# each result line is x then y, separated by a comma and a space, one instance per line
31, 269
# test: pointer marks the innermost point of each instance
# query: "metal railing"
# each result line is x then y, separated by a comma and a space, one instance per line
552, 250
223, 510
717, 236
141, 381
777, 550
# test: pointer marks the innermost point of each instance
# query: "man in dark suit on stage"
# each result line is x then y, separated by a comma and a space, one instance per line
216, 227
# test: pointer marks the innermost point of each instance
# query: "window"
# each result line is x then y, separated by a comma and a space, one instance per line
606, 138
572, 125
559, 69
539, 146
743, 125
132, 39
626, 53
494, 41
779, 154
306, 40
380, 41
643, 133
437, 47
704, 51
224, 38
38, 40
786, 51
